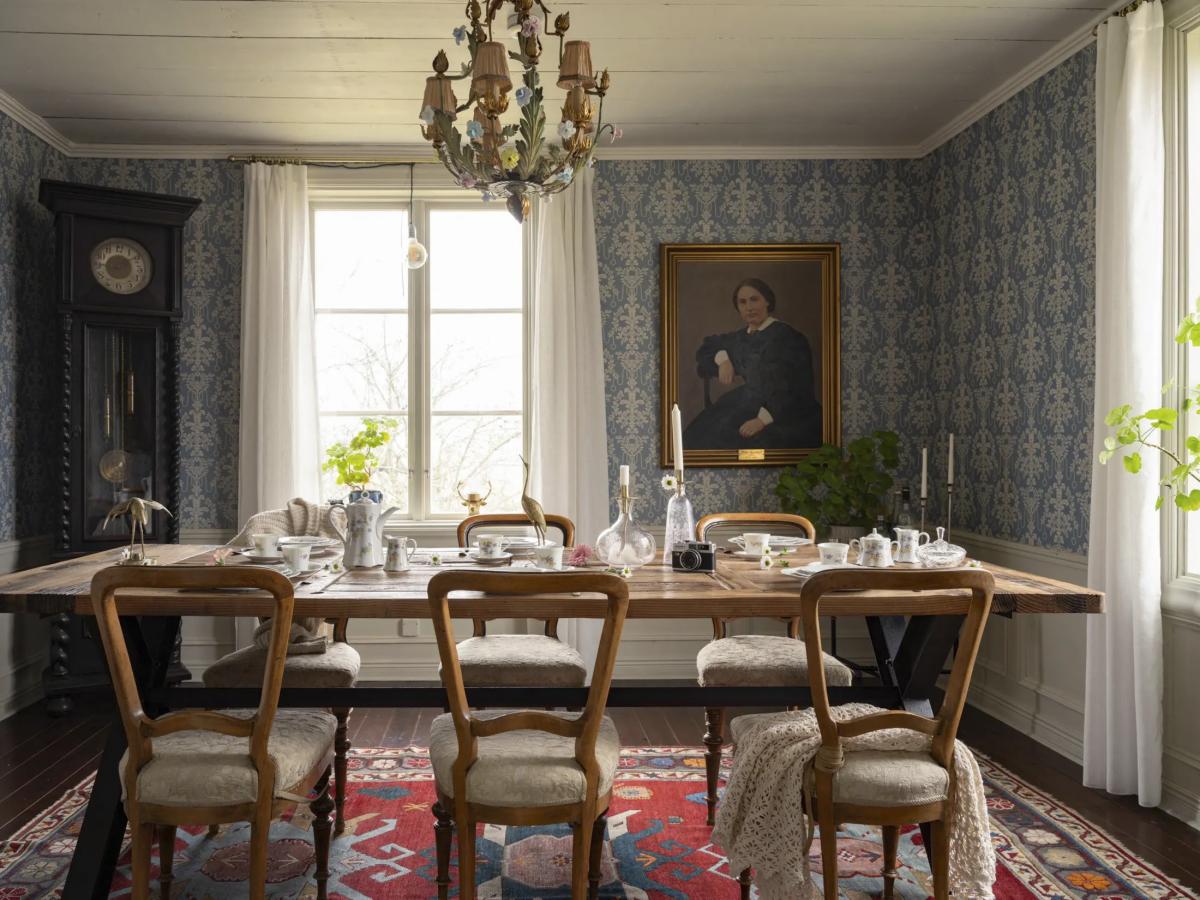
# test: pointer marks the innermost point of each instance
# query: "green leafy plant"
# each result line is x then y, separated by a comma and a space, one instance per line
359, 459
1147, 430
842, 485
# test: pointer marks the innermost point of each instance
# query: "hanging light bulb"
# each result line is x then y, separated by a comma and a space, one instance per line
415, 255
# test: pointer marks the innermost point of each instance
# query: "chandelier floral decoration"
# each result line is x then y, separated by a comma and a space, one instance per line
515, 161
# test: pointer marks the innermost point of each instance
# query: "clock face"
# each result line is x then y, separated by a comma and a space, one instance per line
121, 265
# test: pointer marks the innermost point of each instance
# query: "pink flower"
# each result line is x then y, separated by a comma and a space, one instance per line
617, 134
581, 555
530, 26
219, 555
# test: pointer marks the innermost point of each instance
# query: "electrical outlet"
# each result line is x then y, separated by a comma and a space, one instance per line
410, 628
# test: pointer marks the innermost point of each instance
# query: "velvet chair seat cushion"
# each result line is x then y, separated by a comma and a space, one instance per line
337, 667
520, 660
875, 777
203, 768
763, 660
522, 768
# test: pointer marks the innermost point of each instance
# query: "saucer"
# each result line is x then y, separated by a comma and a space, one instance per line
316, 543
303, 573
502, 559
813, 568
744, 554
261, 558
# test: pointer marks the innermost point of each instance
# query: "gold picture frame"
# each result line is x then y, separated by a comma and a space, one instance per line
707, 304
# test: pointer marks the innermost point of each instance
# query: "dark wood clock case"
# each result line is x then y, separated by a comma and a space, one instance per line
120, 406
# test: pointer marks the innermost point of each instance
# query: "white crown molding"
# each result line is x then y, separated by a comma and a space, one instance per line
1014, 85
33, 123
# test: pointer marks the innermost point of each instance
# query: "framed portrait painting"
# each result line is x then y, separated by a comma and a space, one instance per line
750, 351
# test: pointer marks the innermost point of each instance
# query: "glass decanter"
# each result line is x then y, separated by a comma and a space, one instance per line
625, 543
681, 521
941, 554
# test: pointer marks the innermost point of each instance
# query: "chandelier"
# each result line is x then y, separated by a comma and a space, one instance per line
517, 161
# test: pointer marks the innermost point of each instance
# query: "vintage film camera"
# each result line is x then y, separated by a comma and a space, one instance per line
694, 556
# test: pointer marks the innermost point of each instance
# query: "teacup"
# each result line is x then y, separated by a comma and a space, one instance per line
755, 543
548, 556
833, 553
296, 556
908, 541
265, 544
491, 545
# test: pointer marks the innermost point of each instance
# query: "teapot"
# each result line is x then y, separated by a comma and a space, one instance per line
364, 533
874, 550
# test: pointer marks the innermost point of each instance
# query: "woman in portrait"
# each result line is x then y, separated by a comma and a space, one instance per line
775, 406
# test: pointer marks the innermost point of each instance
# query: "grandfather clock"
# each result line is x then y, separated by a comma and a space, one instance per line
120, 302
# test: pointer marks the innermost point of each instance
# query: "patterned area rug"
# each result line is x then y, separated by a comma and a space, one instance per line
658, 846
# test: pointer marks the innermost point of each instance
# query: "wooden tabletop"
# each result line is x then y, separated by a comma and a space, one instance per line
739, 588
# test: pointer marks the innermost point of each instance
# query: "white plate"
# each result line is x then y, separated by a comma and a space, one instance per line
813, 568
262, 559
777, 540
742, 554
313, 542
490, 560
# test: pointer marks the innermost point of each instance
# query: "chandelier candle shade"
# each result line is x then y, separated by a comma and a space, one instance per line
516, 161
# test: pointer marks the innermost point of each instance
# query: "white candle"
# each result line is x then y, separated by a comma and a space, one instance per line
624, 476
677, 437
924, 472
950, 466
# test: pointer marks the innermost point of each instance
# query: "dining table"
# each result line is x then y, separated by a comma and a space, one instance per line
910, 650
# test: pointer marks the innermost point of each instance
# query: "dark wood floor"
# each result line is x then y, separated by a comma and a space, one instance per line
41, 758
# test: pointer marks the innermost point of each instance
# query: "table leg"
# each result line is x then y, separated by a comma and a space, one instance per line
927, 643
151, 642
887, 633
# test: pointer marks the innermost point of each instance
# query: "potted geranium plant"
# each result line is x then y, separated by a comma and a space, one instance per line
356, 461
842, 490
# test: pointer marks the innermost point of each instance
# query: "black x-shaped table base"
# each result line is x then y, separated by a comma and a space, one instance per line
909, 655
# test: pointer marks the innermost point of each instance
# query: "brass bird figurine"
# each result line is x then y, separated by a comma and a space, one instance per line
138, 510
532, 508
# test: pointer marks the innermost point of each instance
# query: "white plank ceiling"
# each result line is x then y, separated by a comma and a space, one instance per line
686, 73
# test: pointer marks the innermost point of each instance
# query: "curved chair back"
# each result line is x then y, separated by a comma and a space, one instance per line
716, 521
562, 524
587, 726
141, 728
954, 592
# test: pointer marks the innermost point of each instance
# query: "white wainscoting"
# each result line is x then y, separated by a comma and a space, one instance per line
24, 640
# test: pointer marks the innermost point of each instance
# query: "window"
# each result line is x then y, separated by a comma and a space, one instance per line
439, 351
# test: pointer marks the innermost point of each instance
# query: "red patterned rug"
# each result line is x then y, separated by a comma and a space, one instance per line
658, 847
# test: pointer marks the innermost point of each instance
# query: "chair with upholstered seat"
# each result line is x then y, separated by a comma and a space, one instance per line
518, 660
889, 788
527, 767
752, 660
198, 767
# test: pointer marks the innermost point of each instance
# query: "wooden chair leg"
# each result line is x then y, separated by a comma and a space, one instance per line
581, 845
940, 864
166, 860
466, 857
321, 807
829, 862
744, 883
714, 720
596, 855
443, 832
341, 748
891, 847
260, 842
143, 841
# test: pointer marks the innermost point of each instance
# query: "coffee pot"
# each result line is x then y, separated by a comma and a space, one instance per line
364, 533
873, 550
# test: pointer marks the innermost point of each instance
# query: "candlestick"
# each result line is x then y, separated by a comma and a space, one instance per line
949, 506
922, 528
677, 437
950, 465
924, 476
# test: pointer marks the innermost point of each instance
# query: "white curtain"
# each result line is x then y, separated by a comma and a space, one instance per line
1122, 749
279, 454
570, 438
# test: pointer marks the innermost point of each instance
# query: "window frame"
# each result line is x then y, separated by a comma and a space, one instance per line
420, 415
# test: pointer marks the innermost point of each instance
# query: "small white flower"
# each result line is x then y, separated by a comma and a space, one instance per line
626, 572
766, 562
427, 115
669, 482
566, 130
435, 559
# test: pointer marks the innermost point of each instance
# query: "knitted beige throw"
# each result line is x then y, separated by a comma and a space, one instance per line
761, 822
299, 518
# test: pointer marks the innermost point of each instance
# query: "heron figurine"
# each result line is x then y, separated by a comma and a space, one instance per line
532, 508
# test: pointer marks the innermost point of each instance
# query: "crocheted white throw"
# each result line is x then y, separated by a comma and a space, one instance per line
300, 518
761, 822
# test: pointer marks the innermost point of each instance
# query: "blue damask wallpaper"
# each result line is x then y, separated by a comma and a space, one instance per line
1011, 282
967, 284
210, 354
27, 334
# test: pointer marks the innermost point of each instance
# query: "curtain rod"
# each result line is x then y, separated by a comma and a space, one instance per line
363, 162
1122, 12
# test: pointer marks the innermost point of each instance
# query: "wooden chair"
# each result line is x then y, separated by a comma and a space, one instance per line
518, 660
752, 659
528, 767
868, 787
197, 767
